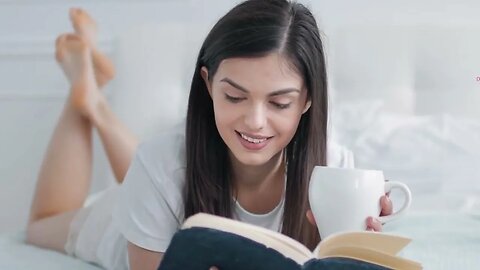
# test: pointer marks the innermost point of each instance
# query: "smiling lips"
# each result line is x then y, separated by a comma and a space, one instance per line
252, 142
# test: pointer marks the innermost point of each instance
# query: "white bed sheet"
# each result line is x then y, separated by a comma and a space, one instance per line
15, 254
445, 230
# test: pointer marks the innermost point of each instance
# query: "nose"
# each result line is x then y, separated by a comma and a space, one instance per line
255, 118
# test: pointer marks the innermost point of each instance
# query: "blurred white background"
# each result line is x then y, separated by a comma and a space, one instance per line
403, 77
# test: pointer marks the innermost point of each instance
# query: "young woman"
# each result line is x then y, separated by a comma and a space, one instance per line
256, 126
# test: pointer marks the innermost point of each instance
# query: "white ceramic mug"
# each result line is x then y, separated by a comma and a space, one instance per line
341, 199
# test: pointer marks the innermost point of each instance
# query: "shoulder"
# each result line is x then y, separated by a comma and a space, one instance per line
163, 155
339, 156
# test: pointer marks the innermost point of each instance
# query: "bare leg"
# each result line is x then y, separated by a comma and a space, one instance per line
119, 142
86, 27
64, 179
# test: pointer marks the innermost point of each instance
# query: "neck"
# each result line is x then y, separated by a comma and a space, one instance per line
255, 178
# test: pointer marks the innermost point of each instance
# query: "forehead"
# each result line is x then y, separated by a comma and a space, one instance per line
270, 72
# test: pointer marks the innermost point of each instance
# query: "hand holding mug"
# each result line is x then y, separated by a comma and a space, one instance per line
351, 200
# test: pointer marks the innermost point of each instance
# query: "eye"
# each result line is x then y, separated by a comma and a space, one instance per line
280, 105
233, 99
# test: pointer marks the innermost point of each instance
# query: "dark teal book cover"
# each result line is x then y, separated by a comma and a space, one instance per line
200, 248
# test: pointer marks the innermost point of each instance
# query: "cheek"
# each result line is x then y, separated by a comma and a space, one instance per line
223, 111
286, 124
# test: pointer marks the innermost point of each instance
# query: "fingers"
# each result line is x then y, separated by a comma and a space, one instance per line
310, 218
387, 206
374, 224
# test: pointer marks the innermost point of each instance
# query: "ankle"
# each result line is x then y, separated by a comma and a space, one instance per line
99, 112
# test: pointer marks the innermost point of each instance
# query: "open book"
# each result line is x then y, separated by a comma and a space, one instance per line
207, 240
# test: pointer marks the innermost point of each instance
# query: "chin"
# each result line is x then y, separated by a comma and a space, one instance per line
251, 159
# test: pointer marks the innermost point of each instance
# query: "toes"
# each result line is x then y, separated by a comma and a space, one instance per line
73, 13
66, 38
60, 39
75, 38
68, 42
59, 46
77, 13
72, 37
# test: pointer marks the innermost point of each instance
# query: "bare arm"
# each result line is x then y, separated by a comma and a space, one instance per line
143, 259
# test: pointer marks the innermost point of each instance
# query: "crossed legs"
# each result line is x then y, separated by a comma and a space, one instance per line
64, 179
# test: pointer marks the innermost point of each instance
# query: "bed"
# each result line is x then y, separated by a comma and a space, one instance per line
445, 236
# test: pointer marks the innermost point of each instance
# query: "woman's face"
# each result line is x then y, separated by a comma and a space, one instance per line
258, 103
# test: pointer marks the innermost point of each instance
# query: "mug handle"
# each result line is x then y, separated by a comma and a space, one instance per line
408, 200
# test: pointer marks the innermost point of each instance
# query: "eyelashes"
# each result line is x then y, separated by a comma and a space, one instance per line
239, 99
233, 99
281, 106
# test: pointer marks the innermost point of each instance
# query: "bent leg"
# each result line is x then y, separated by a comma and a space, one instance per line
64, 179
118, 141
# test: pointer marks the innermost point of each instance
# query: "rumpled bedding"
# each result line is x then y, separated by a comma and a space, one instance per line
431, 153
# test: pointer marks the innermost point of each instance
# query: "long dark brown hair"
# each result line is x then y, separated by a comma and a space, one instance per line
256, 28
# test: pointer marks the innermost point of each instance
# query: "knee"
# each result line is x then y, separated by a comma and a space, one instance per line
50, 232
31, 232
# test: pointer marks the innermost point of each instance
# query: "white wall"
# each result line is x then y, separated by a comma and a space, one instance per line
32, 87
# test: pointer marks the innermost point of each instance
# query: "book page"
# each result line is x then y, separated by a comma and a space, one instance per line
386, 243
285, 245
372, 256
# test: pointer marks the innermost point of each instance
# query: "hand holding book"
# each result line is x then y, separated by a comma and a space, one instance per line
341, 201
206, 240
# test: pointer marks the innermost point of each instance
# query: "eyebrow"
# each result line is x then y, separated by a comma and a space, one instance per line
243, 89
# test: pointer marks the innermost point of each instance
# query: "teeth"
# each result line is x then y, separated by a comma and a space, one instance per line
252, 140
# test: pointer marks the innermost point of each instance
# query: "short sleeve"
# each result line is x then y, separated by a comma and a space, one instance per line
143, 213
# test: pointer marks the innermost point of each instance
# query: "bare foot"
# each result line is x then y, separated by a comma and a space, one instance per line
86, 27
73, 55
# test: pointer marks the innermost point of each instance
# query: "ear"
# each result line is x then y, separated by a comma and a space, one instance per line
204, 73
307, 106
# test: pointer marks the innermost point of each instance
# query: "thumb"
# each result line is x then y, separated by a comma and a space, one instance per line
310, 218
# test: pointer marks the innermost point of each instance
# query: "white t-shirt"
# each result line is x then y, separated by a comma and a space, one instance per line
150, 208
